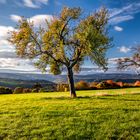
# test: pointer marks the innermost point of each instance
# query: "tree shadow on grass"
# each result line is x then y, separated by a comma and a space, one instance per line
66, 98
56, 98
130, 109
113, 97
96, 96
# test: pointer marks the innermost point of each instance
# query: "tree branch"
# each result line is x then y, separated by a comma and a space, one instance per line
46, 52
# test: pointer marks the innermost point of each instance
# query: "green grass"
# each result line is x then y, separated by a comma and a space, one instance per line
56, 116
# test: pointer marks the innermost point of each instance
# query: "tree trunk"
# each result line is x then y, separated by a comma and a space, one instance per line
71, 83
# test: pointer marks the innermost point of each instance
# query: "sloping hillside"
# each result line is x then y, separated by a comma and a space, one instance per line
28, 79
12, 83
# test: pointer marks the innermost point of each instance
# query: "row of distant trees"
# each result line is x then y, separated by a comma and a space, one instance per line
36, 88
81, 85
108, 84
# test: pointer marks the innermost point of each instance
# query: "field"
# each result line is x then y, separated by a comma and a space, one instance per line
52, 116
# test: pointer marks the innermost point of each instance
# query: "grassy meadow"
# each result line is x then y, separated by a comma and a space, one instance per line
93, 115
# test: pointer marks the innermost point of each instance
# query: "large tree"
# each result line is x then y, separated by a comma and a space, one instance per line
66, 41
132, 62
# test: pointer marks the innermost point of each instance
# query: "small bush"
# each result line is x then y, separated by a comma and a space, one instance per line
37, 86
27, 90
82, 85
63, 87
112, 84
5, 90
93, 85
137, 84
35, 90
109, 84
43, 90
120, 84
18, 90
127, 85
103, 85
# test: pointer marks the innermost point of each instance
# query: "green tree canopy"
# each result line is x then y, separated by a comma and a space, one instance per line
66, 41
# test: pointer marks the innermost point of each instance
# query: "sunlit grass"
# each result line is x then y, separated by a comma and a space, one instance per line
56, 116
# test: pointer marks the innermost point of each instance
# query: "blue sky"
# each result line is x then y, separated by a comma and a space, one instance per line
124, 25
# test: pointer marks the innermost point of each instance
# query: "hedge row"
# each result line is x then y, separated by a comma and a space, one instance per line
18, 90
81, 85
109, 84
5, 90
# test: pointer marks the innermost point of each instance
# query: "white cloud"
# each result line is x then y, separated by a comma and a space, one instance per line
7, 54
4, 34
126, 13
4, 42
4, 31
117, 11
29, 3
112, 68
38, 20
16, 64
117, 28
15, 18
34, 3
124, 49
8, 63
120, 19
112, 61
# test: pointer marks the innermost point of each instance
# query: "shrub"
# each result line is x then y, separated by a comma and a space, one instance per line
120, 84
93, 85
126, 85
103, 85
5, 90
18, 90
63, 87
113, 84
137, 84
37, 86
35, 90
43, 90
82, 85
27, 90
109, 84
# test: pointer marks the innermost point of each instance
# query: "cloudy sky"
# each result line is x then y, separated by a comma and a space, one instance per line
124, 25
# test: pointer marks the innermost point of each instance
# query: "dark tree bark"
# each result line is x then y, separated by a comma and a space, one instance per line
71, 83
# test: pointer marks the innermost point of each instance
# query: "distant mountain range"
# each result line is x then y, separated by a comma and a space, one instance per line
123, 77
28, 80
